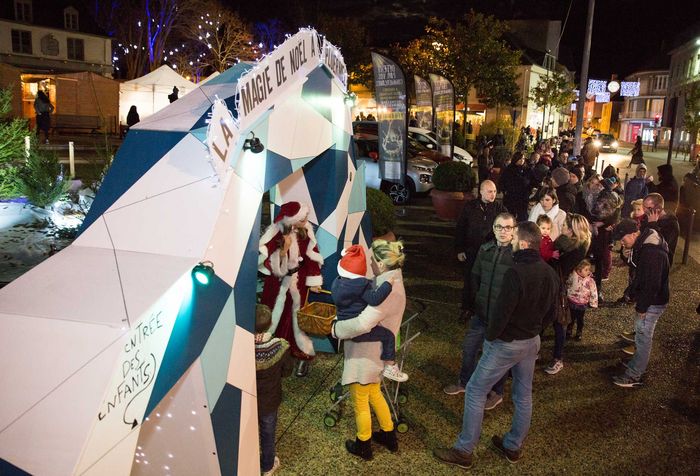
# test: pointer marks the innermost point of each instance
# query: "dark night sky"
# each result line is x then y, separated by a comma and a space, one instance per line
628, 35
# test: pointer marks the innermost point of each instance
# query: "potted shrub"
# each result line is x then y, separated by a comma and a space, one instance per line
454, 182
381, 213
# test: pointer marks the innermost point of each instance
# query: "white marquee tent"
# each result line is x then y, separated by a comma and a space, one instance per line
149, 93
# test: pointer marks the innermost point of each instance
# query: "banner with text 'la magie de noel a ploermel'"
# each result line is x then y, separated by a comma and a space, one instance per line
444, 104
390, 95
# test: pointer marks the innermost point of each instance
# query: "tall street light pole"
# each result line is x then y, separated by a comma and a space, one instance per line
583, 87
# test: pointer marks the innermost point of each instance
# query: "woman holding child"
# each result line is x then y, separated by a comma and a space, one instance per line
363, 365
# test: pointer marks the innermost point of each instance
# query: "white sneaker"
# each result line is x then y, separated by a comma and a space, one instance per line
275, 466
392, 372
556, 367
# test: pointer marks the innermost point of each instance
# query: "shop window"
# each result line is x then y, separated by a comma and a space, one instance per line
22, 42
70, 18
23, 10
76, 49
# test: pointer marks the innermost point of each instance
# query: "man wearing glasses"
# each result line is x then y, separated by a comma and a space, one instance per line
492, 262
473, 230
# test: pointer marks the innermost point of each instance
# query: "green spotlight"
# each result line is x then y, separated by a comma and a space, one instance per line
203, 272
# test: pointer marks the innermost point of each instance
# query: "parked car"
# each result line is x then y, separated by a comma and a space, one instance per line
419, 173
427, 138
422, 141
606, 143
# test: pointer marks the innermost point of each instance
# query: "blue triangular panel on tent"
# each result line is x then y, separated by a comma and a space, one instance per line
358, 194
193, 326
200, 134
231, 75
225, 420
277, 169
366, 227
137, 154
9, 469
317, 85
246, 282
217, 352
327, 243
203, 121
326, 176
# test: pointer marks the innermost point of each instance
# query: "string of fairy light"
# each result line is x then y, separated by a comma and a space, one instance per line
207, 28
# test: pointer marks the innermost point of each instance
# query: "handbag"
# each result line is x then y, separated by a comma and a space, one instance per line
562, 313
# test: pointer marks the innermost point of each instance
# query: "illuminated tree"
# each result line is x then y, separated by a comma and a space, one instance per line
691, 116
269, 34
471, 53
553, 91
219, 36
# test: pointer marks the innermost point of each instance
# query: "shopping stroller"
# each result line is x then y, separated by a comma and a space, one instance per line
395, 394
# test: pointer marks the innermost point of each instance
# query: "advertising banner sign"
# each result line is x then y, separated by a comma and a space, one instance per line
423, 110
444, 104
292, 60
392, 108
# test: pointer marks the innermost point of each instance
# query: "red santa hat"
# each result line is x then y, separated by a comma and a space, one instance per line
291, 213
353, 263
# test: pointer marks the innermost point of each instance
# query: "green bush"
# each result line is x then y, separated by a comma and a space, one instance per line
12, 133
510, 133
453, 176
10, 184
381, 212
41, 178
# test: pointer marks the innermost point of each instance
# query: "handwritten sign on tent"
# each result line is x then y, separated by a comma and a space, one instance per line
261, 86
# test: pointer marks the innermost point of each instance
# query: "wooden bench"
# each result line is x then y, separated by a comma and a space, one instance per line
69, 121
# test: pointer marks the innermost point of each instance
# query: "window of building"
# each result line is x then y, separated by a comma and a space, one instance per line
76, 49
70, 18
23, 10
22, 42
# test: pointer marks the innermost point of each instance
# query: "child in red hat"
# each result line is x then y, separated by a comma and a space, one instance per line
352, 292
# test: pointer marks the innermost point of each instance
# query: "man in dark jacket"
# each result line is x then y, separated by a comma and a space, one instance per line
473, 230
527, 302
649, 289
666, 223
667, 187
492, 262
566, 192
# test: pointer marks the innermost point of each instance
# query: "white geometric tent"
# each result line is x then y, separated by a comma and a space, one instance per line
149, 93
115, 362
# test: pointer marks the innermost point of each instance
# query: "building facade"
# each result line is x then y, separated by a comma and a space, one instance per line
684, 74
643, 114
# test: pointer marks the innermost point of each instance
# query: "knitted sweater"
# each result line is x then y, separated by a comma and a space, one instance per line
362, 363
272, 362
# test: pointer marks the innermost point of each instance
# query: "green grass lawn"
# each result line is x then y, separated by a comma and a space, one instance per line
581, 424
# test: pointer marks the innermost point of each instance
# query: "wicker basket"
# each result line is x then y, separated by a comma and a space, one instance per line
316, 318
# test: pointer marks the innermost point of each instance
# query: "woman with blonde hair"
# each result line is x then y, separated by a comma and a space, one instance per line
363, 366
572, 246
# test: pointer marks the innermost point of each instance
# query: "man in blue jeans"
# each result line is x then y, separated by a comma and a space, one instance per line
492, 262
527, 301
649, 289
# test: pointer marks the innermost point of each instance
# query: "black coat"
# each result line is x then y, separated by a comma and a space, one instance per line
515, 184
668, 228
490, 266
567, 197
474, 225
527, 301
650, 258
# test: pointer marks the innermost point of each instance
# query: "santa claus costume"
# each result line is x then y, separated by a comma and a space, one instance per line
288, 276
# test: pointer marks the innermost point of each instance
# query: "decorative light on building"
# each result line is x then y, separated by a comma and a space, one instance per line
629, 88
613, 86
596, 86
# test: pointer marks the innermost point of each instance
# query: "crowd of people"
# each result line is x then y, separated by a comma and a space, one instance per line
535, 259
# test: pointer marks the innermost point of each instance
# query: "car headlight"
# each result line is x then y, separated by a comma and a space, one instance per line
420, 168
597, 143
614, 144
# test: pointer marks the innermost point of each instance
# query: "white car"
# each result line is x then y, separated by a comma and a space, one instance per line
428, 139
419, 176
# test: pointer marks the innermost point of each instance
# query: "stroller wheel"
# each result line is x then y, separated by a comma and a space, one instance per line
331, 419
403, 396
402, 426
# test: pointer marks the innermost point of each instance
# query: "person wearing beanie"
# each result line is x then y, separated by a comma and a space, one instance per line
352, 292
290, 260
636, 188
566, 191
